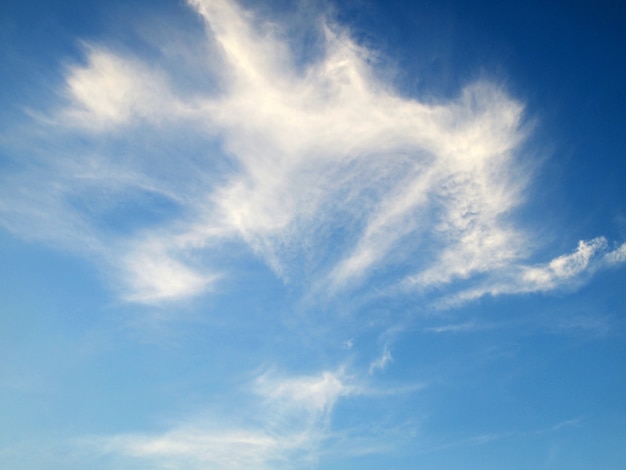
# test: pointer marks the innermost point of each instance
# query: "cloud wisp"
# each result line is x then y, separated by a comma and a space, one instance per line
381, 363
281, 421
322, 170
288, 419
314, 150
565, 271
175, 167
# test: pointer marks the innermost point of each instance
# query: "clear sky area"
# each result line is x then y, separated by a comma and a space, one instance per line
312, 235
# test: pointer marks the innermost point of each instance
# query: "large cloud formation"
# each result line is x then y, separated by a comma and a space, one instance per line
322, 170
166, 168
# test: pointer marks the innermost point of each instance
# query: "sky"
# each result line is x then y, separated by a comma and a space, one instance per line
312, 234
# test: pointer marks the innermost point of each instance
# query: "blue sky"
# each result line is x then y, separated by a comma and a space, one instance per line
351, 235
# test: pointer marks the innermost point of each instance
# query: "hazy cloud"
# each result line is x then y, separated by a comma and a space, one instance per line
289, 418
322, 170
382, 361
563, 271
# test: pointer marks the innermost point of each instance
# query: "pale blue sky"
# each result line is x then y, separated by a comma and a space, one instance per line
312, 235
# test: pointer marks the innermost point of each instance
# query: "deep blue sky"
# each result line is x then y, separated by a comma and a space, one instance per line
312, 235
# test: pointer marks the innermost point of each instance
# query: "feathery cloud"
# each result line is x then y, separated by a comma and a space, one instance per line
326, 173
289, 420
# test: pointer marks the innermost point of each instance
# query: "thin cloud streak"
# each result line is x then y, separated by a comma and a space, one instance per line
381, 363
291, 419
565, 271
289, 424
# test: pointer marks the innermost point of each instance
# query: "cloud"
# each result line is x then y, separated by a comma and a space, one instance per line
616, 256
281, 421
197, 448
315, 165
562, 268
154, 275
289, 420
319, 168
483, 439
563, 271
457, 327
317, 393
111, 90
381, 362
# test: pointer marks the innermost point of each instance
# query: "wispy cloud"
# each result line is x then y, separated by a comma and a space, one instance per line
285, 422
112, 91
174, 167
289, 417
457, 327
485, 439
322, 170
381, 363
565, 271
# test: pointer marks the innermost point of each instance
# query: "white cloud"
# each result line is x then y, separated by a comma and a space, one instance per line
289, 418
112, 90
153, 275
286, 422
332, 175
198, 448
616, 256
546, 277
313, 144
563, 271
457, 327
322, 170
317, 393
382, 361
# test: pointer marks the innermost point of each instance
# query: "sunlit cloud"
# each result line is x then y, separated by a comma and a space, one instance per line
565, 271
289, 419
380, 363
112, 90
285, 421
424, 187
210, 169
